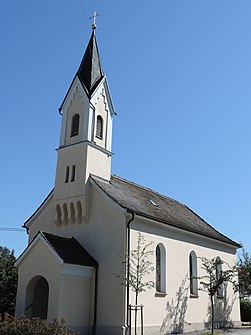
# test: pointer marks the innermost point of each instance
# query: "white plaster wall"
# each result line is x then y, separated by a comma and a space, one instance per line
87, 159
103, 107
75, 300
104, 238
76, 101
43, 220
39, 262
177, 306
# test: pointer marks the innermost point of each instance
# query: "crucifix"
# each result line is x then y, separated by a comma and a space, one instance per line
95, 14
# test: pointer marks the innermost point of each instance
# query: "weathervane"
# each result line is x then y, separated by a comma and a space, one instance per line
95, 14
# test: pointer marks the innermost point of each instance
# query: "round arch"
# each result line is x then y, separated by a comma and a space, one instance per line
160, 255
36, 299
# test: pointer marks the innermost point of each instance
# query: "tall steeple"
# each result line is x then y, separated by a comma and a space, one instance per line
86, 136
90, 72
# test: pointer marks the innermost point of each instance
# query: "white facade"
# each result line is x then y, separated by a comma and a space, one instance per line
91, 297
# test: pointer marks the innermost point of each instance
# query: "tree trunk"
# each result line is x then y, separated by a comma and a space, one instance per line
136, 312
212, 311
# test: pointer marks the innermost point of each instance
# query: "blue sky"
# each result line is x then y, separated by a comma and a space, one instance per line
180, 77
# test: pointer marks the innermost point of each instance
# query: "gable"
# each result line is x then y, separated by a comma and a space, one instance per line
38, 249
63, 250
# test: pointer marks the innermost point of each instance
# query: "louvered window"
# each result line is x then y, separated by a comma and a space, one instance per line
99, 127
75, 125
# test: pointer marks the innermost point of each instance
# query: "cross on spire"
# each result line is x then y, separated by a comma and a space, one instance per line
95, 14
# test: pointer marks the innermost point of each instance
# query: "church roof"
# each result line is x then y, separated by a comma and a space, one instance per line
150, 204
69, 250
90, 72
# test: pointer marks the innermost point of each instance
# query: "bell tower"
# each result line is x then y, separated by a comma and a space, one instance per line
86, 137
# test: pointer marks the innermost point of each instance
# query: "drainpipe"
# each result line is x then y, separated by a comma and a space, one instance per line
128, 265
95, 302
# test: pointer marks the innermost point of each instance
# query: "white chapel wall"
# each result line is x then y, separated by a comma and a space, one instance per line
177, 306
39, 262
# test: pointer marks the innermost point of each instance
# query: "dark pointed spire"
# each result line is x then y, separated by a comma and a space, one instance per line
90, 71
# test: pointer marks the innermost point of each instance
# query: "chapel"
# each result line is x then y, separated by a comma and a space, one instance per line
91, 216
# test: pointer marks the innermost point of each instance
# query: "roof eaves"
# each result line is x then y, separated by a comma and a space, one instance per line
38, 236
230, 242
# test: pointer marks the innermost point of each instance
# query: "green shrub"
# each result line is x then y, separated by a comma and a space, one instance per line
245, 310
11, 325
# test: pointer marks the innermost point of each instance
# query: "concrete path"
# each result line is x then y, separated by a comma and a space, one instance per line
242, 331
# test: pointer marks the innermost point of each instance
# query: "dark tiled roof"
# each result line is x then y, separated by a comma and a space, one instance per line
148, 203
69, 250
90, 71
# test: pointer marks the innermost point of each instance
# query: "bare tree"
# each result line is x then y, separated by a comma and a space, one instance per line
215, 278
138, 267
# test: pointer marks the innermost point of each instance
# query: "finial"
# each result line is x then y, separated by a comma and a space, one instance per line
95, 14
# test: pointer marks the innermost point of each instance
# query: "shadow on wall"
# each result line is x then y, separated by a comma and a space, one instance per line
222, 312
176, 310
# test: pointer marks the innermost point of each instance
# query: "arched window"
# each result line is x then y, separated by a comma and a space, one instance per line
218, 268
160, 254
193, 274
75, 125
99, 127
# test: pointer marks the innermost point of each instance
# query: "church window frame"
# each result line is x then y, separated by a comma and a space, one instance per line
99, 127
75, 125
193, 275
218, 270
160, 270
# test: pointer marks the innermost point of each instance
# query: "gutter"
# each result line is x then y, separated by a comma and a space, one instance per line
128, 235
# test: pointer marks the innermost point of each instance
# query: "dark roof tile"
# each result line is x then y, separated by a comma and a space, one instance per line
148, 203
70, 250
90, 71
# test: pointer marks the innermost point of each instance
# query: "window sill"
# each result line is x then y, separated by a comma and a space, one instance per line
99, 137
194, 296
160, 294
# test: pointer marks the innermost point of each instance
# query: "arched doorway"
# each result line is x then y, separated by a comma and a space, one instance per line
36, 302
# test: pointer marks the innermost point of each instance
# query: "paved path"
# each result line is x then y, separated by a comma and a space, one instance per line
243, 331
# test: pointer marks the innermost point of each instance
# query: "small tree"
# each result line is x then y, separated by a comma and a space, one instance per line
8, 281
138, 266
244, 272
214, 279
